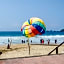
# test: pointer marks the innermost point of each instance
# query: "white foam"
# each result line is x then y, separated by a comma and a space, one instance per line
52, 36
17, 39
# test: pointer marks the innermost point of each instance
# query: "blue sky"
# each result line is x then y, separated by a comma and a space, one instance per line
13, 13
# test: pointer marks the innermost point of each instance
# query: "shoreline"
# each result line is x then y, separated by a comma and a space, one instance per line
22, 50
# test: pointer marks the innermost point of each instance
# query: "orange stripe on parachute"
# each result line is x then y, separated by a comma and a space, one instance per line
34, 30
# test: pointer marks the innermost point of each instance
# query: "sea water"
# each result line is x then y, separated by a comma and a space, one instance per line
16, 37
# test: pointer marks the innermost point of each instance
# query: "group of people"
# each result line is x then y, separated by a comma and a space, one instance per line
42, 41
23, 41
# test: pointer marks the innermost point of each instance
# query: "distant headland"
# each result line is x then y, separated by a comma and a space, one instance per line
62, 30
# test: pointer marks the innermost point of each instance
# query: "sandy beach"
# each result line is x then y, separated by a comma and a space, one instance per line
22, 50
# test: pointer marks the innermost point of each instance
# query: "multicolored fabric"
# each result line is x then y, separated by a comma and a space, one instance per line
33, 26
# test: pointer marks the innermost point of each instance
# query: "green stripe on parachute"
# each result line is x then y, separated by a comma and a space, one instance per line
40, 24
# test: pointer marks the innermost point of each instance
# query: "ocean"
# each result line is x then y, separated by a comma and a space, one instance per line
16, 37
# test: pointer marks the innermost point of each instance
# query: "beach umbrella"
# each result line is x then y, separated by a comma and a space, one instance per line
33, 26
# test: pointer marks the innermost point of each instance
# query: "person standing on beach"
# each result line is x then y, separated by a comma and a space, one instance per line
31, 41
22, 41
8, 46
55, 41
42, 41
10, 42
48, 41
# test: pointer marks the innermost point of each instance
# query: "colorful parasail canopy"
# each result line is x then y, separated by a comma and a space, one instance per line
33, 26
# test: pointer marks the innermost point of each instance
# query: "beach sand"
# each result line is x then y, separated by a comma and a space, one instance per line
22, 50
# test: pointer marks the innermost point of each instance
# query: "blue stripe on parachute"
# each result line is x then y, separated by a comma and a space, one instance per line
39, 28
